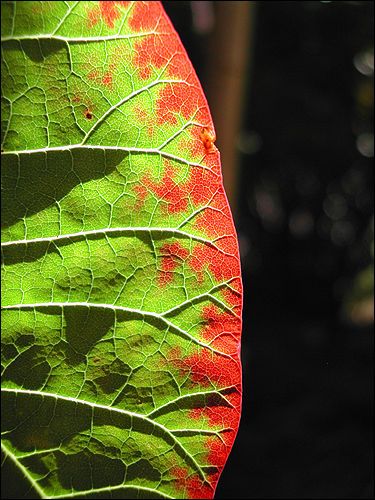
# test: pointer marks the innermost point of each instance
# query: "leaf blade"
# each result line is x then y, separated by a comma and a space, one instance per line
122, 288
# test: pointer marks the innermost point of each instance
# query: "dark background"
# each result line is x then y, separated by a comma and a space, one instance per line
304, 216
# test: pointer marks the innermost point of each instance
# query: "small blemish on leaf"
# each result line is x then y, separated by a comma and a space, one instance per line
93, 75
208, 138
88, 114
107, 79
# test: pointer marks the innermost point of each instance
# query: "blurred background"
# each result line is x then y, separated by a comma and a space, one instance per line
290, 86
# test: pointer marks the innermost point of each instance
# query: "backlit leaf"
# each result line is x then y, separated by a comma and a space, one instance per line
121, 286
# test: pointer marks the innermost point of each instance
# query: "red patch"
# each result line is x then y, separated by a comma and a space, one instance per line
140, 113
205, 368
93, 17
216, 221
168, 191
174, 354
104, 79
202, 187
145, 119
220, 416
148, 53
172, 255
185, 97
233, 295
193, 485
198, 189
152, 50
141, 192
199, 489
108, 11
222, 329
182, 98
208, 368
221, 265
148, 16
161, 49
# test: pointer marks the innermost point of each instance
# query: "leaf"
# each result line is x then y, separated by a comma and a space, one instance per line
121, 278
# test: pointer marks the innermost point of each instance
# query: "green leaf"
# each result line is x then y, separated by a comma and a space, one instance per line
121, 303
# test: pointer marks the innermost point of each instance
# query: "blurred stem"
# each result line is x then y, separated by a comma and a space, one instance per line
228, 62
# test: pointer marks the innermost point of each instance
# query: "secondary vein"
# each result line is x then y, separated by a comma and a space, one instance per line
111, 409
111, 230
138, 312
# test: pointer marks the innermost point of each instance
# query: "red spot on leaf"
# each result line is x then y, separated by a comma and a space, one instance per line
203, 186
184, 96
101, 79
88, 114
221, 409
140, 113
219, 450
197, 488
172, 254
224, 418
179, 98
174, 354
107, 79
109, 12
93, 75
93, 17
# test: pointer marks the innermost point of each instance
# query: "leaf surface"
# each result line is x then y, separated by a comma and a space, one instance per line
122, 298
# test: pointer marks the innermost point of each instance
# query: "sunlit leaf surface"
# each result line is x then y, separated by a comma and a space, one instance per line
121, 285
